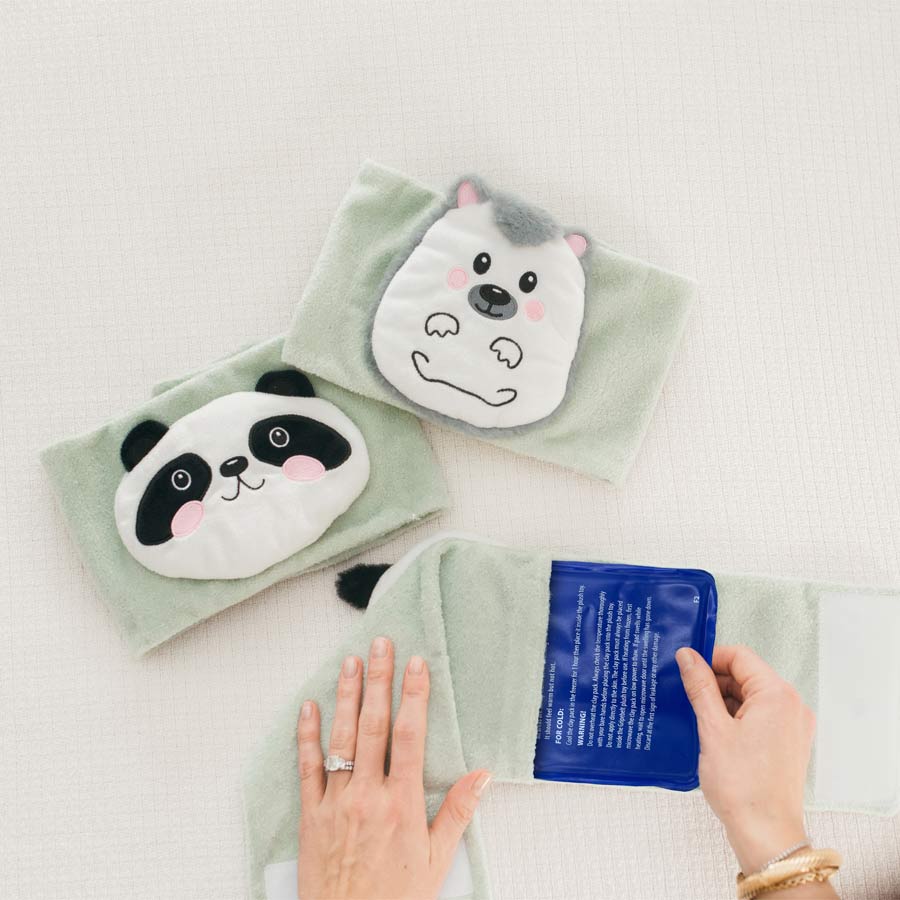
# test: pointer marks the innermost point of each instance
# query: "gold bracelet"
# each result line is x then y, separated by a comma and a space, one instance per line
802, 868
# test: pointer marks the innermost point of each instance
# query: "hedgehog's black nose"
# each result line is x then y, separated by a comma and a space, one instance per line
495, 295
492, 301
234, 466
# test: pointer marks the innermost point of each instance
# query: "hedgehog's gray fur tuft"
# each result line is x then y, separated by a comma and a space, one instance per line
521, 223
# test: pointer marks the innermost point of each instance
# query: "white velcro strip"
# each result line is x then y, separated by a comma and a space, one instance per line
858, 731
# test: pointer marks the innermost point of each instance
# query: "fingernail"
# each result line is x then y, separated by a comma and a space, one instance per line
685, 658
306, 710
349, 667
379, 647
481, 783
416, 665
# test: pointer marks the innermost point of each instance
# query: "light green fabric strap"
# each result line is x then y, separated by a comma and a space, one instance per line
485, 685
634, 317
478, 612
405, 486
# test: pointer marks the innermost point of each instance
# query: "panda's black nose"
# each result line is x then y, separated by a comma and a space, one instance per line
233, 466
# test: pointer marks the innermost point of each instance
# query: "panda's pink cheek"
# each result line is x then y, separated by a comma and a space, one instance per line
457, 278
303, 468
187, 519
534, 309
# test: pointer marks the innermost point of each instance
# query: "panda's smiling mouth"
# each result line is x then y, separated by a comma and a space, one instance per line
241, 483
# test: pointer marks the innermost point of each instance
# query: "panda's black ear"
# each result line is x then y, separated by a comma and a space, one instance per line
355, 585
140, 441
287, 382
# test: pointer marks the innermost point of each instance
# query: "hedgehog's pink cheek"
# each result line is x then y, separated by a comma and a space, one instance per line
457, 278
187, 519
534, 309
303, 468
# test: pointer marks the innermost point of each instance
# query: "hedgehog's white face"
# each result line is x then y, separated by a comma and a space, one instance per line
239, 484
477, 327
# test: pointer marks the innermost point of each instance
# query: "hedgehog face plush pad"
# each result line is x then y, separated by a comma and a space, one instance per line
240, 483
475, 310
481, 321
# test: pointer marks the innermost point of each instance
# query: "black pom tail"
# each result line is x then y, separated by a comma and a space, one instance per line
355, 585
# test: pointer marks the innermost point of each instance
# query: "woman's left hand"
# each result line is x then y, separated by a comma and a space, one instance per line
365, 833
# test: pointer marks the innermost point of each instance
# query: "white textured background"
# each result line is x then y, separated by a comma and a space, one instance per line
167, 173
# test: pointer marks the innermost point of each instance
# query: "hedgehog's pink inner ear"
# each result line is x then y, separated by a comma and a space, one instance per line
466, 194
578, 243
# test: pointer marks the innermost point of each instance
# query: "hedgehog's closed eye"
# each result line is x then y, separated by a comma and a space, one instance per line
481, 263
181, 480
528, 282
278, 437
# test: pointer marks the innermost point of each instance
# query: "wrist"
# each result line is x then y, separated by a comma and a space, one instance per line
758, 841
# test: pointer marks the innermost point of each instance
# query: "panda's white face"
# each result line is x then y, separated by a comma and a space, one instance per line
478, 328
237, 485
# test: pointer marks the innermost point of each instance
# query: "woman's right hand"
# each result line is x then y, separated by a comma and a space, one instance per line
755, 742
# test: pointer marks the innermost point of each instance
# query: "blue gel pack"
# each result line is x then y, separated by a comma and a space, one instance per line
614, 710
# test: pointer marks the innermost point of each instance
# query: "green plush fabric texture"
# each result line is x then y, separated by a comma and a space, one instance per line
634, 317
478, 613
456, 607
405, 487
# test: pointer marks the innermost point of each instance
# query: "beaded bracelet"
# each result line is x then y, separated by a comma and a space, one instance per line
800, 845
804, 868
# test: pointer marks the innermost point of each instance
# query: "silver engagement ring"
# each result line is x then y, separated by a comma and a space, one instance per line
338, 764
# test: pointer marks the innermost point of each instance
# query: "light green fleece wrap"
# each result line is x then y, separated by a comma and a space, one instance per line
634, 316
478, 613
405, 486
469, 644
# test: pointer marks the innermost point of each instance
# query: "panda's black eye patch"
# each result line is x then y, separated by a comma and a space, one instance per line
481, 263
185, 478
276, 439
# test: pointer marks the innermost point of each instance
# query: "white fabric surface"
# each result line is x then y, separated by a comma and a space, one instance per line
167, 174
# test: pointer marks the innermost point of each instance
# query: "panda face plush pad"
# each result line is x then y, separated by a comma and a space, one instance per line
239, 484
245, 465
482, 319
